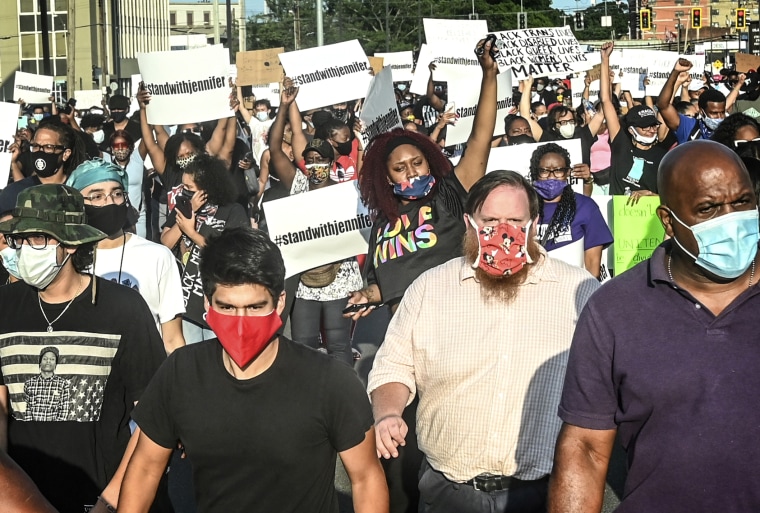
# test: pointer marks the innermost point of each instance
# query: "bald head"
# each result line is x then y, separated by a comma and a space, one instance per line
690, 166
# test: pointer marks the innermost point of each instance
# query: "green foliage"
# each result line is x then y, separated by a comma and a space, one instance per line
593, 22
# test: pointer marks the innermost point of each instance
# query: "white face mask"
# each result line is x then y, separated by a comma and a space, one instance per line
37, 117
567, 130
642, 139
262, 116
98, 136
10, 261
39, 267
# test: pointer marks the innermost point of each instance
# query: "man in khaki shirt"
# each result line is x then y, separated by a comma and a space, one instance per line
483, 340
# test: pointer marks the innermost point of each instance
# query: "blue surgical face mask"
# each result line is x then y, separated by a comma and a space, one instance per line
711, 123
727, 244
549, 189
417, 187
10, 261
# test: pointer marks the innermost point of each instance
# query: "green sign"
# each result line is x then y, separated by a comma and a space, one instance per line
637, 231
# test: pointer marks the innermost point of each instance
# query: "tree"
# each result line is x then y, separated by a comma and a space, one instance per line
592, 18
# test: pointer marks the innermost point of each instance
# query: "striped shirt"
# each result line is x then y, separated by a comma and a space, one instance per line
488, 373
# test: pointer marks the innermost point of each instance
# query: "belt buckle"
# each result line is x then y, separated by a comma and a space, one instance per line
489, 483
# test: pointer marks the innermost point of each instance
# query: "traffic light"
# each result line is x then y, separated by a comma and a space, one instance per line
579, 21
522, 20
741, 18
645, 19
696, 17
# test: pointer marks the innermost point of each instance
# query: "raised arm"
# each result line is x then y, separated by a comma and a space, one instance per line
664, 104
605, 93
524, 111
734, 94
215, 144
433, 98
299, 141
283, 168
243, 111
472, 165
154, 150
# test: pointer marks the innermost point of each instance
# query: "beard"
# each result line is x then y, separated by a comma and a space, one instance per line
502, 288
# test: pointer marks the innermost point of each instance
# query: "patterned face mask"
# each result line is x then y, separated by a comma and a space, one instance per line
318, 173
502, 249
184, 161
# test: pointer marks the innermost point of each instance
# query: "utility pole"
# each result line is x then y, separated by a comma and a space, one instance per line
116, 40
320, 24
103, 44
215, 19
45, 37
71, 58
229, 27
242, 28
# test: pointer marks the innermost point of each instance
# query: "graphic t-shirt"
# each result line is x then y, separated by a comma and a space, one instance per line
632, 167
427, 233
68, 424
264, 444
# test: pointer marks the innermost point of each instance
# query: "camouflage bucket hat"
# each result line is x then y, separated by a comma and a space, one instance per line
55, 210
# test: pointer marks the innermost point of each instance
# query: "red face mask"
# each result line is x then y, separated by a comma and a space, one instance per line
502, 248
244, 337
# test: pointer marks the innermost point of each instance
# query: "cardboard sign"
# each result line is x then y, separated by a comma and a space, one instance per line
595, 73
32, 88
402, 64
88, 98
8, 122
550, 51
465, 94
746, 62
376, 63
337, 227
380, 113
637, 231
259, 66
186, 85
328, 74
454, 32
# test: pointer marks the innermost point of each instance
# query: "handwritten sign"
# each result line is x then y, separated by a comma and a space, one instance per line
454, 32
637, 231
259, 66
745, 62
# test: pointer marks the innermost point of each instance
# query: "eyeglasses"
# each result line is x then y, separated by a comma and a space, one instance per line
742, 143
101, 198
34, 240
47, 148
558, 172
566, 122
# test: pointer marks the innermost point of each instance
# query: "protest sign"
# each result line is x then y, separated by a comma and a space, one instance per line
337, 226
745, 62
659, 65
402, 64
450, 62
549, 51
88, 98
32, 88
328, 74
577, 86
604, 202
637, 231
269, 92
380, 113
465, 94
697, 71
186, 85
572, 253
259, 66
376, 63
517, 158
135, 81
8, 122
454, 32
635, 66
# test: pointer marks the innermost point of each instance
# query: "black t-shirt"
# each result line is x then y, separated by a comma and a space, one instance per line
133, 127
428, 233
260, 445
108, 353
581, 132
633, 167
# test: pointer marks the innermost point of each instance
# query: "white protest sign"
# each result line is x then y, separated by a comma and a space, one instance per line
380, 113
135, 81
450, 63
697, 71
608, 261
660, 64
269, 92
337, 227
328, 74
186, 85
572, 253
517, 157
454, 32
402, 64
32, 88
465, 94
549, 51
88, 98
8, 122
577, 85
634, 66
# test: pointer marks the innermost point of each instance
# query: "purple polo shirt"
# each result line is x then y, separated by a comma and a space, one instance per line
681, 386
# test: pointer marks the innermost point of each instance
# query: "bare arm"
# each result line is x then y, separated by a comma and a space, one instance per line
613, 123
299, 141
155, 151
285, 170
161, 136
230, 135
433, 98
524, 111
444, 118
388, 403
668, 112
243, 111
214, 145
4, 412
171, 332
580, 468
734, 94
111, 491
472, 165
170, 236
592, 260
145, 469
368, 486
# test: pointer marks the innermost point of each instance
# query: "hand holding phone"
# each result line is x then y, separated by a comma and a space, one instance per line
360, 306
184, 207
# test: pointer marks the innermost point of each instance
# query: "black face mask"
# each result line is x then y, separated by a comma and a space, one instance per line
118, 117
521, 139
109, 219
46, 164
344, 148
340, 114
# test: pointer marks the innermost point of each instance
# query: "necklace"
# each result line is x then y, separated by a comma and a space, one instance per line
751, 273
49, 322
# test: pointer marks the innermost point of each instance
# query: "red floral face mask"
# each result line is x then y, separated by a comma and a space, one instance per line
244, 337
502, 249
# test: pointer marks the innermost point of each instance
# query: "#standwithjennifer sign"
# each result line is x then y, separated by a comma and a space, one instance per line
465, 93
328, 74
8, 121
540, 52
186, 85
380, 113
337, 227
32, 88
402, 64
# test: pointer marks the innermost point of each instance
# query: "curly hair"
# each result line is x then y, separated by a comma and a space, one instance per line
211, 175
726, 131
710, 96
68, 138
172, 148
566, 207
376, 193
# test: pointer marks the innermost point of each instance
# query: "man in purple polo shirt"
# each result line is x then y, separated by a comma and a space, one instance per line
666, 356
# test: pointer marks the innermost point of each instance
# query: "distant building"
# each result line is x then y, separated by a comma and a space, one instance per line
187, 18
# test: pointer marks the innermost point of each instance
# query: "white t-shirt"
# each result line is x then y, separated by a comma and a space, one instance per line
259, 131
150, 269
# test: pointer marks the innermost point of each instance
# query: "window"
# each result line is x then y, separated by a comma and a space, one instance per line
27, 6
679, 14
26, 23
28, 46
172, 19
29, 66
715, 12
206, 18
189, 18
60, 44
59, 22
679, 2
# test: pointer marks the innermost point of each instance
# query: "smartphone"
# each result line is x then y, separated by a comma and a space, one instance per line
184, 206
248, 157
449, 107
23, 122
357, 308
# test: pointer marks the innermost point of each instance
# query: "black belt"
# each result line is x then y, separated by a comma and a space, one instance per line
492, 483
